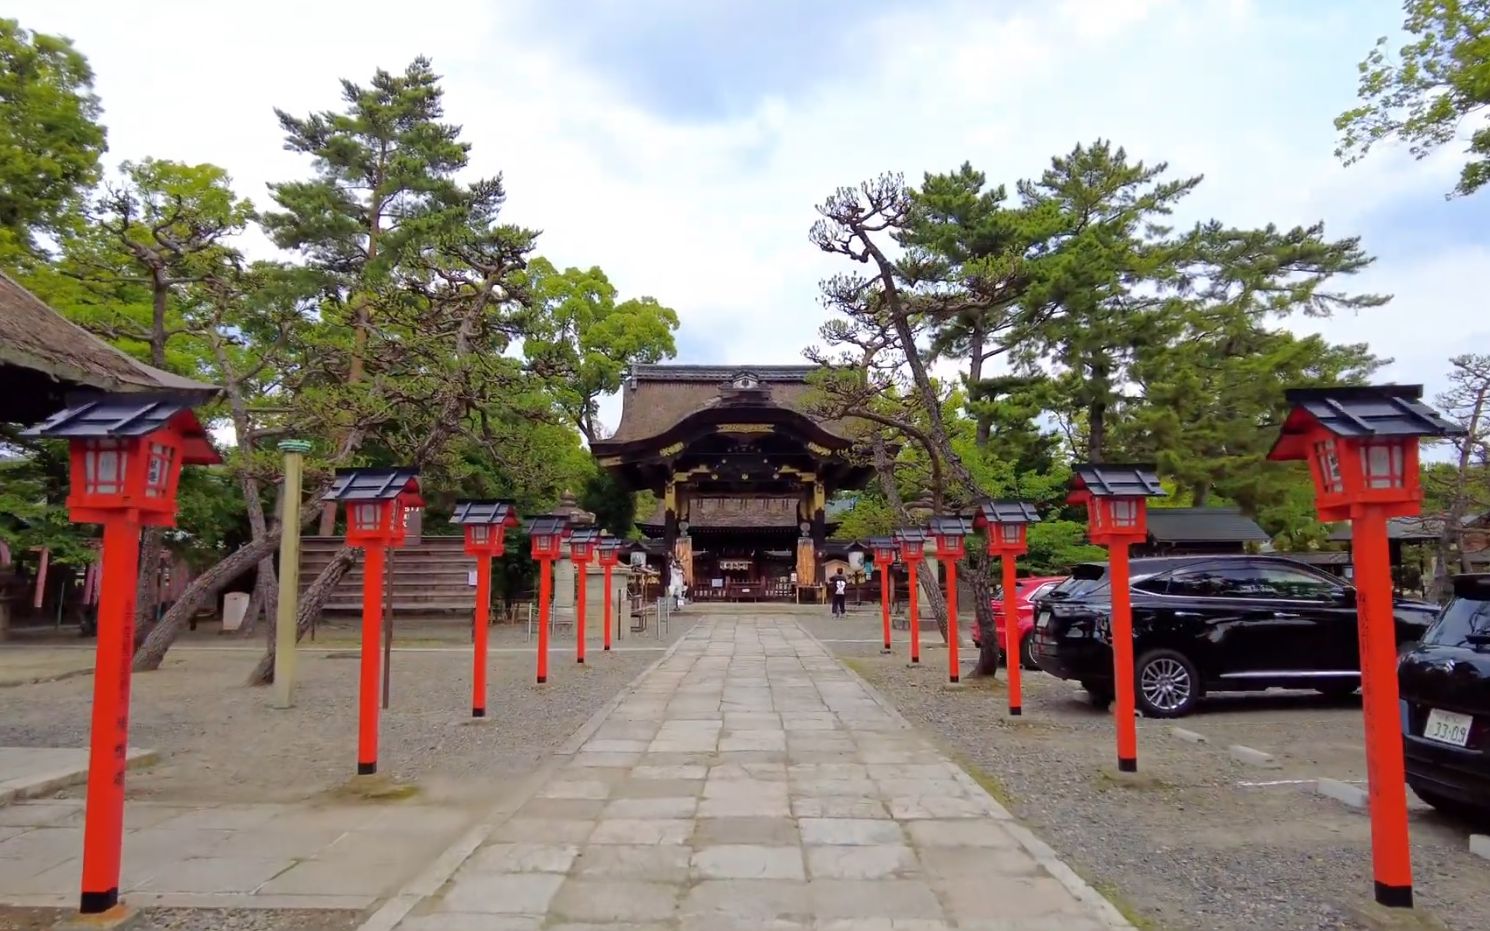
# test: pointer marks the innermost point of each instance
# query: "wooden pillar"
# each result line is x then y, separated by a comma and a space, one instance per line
683, 549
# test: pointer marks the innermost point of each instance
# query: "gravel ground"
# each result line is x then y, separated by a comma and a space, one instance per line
221, 742
198, 919
1187, 844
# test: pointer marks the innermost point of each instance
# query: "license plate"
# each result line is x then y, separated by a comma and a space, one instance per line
1448, 727
1043, 620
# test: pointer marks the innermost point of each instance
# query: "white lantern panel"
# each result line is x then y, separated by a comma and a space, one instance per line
1381, 464
1329, 467
105, 465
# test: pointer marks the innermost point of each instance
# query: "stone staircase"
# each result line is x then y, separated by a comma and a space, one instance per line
430, 579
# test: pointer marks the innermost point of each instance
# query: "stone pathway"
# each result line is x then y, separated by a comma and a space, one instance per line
749, 781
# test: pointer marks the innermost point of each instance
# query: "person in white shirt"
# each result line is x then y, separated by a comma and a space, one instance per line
838, 585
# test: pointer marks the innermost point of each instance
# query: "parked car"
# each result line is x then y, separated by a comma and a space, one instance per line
1211, 624
1025, 593
1445, 685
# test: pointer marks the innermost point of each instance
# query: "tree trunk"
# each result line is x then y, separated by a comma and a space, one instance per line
931, 590
310, 608
1453, 524
147, 587
202, 588
979, 576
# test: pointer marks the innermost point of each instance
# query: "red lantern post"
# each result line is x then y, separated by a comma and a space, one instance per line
126, 455
912, 550
376, 500
949, 531
1116, 500
884, 558
547, 537
1361, 444
1005, 522
485, 524
608, 553
583, 542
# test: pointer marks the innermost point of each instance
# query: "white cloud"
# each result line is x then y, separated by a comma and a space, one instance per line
711, 217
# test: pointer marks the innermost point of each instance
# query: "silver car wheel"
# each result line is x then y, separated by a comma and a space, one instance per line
1165, 684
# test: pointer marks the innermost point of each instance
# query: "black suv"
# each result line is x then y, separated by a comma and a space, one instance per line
1211, 623
1445, 683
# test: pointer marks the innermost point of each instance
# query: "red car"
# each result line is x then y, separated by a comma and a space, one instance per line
1025, 592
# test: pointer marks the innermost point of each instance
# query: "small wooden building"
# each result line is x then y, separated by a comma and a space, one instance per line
1190, 531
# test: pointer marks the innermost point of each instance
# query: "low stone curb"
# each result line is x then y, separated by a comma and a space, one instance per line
1253, 757
1042, 852
398, 906
1343, 792
1479, 845
30, 787
1189, 736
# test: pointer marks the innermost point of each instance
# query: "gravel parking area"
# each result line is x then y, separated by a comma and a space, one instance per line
221, 741
1198, 840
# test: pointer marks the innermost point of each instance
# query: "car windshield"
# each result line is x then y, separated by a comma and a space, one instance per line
1086, 579
1464, 623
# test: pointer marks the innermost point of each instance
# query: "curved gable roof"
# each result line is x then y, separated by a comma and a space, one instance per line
36, 339
656, 398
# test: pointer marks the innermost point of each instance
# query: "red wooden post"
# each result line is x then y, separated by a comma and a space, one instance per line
126, 453
1116, 500
545, 594
482, 618
1391, 852
485, 524
367, 690
608, 552
949, 530
1361, 444
1122, 658
1011, 633
581, 568
884, 558
377, 505
103, 827
954, 660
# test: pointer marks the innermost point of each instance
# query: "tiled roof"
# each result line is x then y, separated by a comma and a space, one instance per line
1105, 479
1005, 512
497, 511
372, 484
657, 397
131, 415
1371, 410
1398, 528
1203, 525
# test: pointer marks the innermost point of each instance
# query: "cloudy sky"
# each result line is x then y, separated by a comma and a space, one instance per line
682, 145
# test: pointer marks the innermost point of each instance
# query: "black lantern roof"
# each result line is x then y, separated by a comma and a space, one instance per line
1358, 411
585, 535
130, 415
498, 511
1005, 512
609, 543
950, 525
545, 524
912, 535
372, 484
882, 543
1110, 480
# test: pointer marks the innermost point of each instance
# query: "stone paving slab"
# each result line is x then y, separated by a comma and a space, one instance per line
750, 781
231, 856
31, 772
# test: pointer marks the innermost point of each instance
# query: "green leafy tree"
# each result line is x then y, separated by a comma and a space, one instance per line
1432, 91
582, 342
50, 138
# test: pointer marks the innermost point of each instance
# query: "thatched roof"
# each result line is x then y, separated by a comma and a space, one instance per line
657, 397
43, 356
